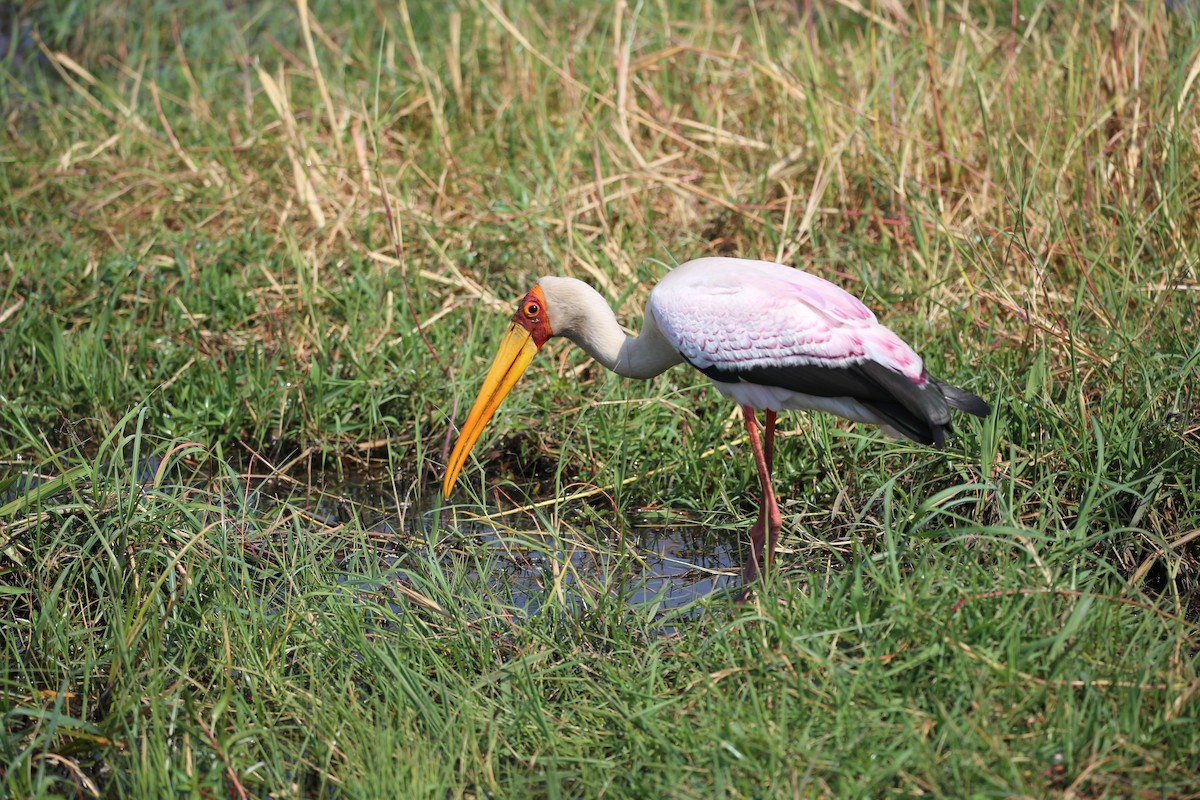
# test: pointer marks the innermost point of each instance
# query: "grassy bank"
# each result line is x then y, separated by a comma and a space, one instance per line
253, 261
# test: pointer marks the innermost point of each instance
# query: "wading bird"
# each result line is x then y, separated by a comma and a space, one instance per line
768, 336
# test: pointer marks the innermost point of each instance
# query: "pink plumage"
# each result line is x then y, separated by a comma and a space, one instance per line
737, 314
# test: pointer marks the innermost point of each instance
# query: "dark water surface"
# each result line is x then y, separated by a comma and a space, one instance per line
525, 559
666, 567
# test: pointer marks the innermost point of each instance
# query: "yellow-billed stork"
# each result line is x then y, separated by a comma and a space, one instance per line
769, 337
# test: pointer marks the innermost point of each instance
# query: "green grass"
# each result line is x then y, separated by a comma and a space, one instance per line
226, 383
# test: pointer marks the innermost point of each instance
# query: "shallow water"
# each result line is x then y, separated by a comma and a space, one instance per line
662, 566
665, 567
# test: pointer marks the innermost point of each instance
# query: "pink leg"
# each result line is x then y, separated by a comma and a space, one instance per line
776, 519
766, 528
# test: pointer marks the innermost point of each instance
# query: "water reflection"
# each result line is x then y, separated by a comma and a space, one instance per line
665, 567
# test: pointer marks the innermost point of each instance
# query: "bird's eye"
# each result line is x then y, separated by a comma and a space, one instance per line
532, 309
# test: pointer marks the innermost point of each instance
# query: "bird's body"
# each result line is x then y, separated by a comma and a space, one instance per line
769, 337
811, 345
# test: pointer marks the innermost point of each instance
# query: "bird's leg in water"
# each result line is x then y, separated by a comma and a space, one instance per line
766, 528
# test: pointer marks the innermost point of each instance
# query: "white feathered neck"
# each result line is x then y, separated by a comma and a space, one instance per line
579, 313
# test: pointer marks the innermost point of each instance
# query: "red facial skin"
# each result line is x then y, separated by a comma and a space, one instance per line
531, 315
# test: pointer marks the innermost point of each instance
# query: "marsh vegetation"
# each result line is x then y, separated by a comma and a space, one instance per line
254, 256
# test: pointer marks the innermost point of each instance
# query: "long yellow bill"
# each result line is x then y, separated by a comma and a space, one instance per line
516, 351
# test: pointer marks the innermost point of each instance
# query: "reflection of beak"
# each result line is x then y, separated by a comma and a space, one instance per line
516, 351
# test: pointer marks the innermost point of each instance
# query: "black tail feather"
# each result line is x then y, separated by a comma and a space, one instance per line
964, 400
904, 422
922, 414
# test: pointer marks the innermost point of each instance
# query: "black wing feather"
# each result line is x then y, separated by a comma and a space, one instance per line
919, 411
